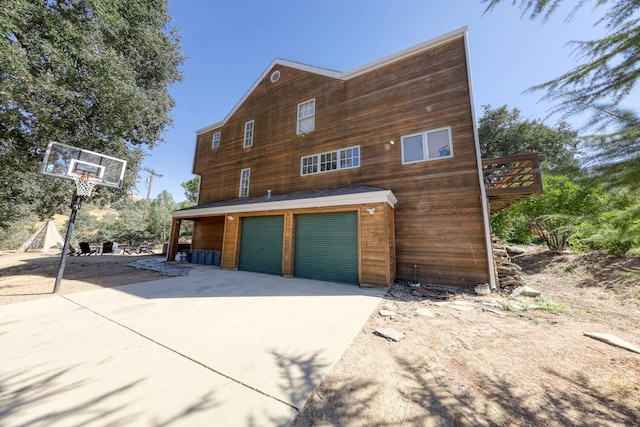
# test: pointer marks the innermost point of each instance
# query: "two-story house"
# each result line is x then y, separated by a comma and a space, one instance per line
354, 177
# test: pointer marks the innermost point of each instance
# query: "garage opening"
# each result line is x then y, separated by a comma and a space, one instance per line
261, 244
326, 247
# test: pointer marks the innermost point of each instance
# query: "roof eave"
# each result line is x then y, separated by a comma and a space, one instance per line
429, 44
382, 196
278, 61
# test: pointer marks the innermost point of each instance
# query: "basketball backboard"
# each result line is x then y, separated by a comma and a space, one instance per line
67, 162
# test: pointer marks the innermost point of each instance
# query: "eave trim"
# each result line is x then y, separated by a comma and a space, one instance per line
384, 196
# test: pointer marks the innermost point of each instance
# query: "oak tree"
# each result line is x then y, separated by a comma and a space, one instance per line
89, 73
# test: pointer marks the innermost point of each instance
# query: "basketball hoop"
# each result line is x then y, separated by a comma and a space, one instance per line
87, 169
84, 184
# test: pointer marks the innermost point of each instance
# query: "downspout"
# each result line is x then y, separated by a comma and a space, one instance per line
484, 201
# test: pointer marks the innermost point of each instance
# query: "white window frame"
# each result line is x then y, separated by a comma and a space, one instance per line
249, 128
245, 178
309, 165
318, 163
425, 145
307, 115
215, 140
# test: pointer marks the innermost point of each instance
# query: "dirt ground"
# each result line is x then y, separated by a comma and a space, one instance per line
469, 361
31, 275
526, 363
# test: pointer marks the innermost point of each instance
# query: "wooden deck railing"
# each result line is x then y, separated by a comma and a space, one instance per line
510, 179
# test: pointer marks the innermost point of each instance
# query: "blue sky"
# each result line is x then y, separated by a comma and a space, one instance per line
229, 44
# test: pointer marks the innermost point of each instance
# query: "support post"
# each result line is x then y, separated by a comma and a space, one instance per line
174, 237
75, 206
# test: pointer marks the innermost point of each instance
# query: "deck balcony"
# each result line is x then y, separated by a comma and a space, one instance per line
508, 180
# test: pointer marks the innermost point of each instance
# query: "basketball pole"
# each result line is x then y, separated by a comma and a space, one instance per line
75, 206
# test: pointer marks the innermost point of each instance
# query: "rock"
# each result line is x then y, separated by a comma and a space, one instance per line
425, 312
512, 251
500, 252
482, 289
493, 304
387, 313
511, 270
390, 334
517, 291
530, 292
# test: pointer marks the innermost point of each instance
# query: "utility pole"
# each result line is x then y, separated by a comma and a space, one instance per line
152, 173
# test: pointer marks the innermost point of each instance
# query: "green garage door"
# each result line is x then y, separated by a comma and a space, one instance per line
327, 247
261, 244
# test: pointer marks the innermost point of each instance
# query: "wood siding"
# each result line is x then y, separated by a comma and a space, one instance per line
376, 245
375, 240
208, 233
438, 221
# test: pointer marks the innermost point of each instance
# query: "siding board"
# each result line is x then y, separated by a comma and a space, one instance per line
438, 220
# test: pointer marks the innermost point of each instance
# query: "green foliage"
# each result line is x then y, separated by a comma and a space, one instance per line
12, 237
545, 303
92, 74
191, 189
577, 215
158, 222
613, 157
554, 215
618, 230
87, 228
608, 70
504, 133
125, 226
511, 227
122, 220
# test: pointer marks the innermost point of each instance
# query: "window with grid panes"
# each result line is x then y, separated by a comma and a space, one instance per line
245, 174
215, 140
248, 134
346, 158
306, 116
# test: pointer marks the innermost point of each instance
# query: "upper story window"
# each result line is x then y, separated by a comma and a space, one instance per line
306, 116
427, 145
248, 134
346, 158
215, 140
245, 175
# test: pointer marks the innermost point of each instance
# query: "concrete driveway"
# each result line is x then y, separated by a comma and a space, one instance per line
212, 348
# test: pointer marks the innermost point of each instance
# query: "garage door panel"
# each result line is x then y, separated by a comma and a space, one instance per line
261, 244
327, 247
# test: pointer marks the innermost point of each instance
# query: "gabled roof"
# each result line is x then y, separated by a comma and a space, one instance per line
461, 32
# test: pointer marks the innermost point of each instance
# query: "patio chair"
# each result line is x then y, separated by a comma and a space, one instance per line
70, 252
145, 249
109, 248
85, 249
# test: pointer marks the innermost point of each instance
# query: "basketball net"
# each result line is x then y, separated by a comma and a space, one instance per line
84, 185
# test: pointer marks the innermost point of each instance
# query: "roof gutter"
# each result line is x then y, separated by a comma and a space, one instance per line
384, 196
